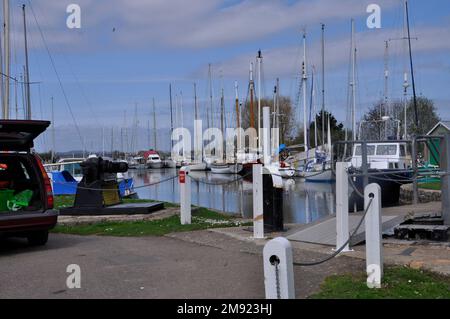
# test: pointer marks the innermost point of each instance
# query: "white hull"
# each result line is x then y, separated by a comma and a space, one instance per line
324, 176
197, 167
226, 168
170, 164
155, 165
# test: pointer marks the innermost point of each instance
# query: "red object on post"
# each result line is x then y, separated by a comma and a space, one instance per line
182, 177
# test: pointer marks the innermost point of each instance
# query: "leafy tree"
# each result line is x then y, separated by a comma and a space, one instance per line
337, 129
286, 116
374, 127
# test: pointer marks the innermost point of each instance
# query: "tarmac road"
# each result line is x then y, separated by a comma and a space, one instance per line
151, 267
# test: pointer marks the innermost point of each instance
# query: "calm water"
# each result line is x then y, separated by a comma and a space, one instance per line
302, 202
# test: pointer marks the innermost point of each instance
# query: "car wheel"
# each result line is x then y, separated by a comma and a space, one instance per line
38, 238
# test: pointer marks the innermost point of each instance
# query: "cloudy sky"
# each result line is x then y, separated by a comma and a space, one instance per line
127, 52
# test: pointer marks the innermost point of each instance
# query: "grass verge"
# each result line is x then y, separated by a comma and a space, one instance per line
398, 283
201, 219
68, 201
431, 185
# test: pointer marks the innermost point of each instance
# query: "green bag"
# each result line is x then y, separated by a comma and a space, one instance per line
5, 196
20, 200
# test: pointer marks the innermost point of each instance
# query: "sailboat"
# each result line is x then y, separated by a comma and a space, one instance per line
249, 157
170, 163
318, 168
227, 167
198, 164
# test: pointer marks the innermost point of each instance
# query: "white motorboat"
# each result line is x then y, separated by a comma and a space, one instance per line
154, 160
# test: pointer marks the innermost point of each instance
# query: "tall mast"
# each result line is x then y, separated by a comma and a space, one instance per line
211, 95
323, 83
353, 82
171, 116
195, 102
387, 111
412, 66
27, 70
53, 131
313, 102
238, 113
259, 99
7, 57
252, 95
238, 116
155, 144
304, 80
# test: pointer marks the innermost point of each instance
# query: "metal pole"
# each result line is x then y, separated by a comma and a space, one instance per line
364, 165
259, 100
266, 135
53, 131
7, 57
414, 165
27, 70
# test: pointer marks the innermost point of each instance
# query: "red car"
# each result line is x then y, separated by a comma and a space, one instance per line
21, 171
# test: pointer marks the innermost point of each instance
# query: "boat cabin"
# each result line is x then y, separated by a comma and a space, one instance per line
383, 156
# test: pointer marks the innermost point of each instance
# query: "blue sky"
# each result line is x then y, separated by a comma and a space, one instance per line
157, 42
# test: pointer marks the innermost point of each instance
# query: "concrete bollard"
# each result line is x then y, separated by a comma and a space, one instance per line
185, 196
342, 221
374, 248
258, 205
278, 269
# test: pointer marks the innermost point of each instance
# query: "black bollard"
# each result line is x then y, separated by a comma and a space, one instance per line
273, 205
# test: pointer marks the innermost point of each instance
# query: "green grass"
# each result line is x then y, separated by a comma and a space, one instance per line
398, 283
68, 201
201, 219
431, 185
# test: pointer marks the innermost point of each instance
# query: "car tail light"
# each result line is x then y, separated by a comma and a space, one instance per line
47, 184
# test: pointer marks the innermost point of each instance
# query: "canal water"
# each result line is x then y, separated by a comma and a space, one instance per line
302, 202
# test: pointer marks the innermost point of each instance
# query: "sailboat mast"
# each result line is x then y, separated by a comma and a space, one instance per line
353, 82
323, 83
259, 99
53, 131
171, 116
27, 69
412, 66
304, 80
7, 57
211, 95
195, 102
154, 126
238, 113
252, 95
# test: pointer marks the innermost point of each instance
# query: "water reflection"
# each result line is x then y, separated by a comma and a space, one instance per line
302, 202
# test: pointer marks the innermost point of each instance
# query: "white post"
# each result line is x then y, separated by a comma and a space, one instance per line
278, 269
374, 248
185, 196
258, 208
266, 135
342, 223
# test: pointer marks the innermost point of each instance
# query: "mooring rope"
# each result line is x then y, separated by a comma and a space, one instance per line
219, 184
115, 190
